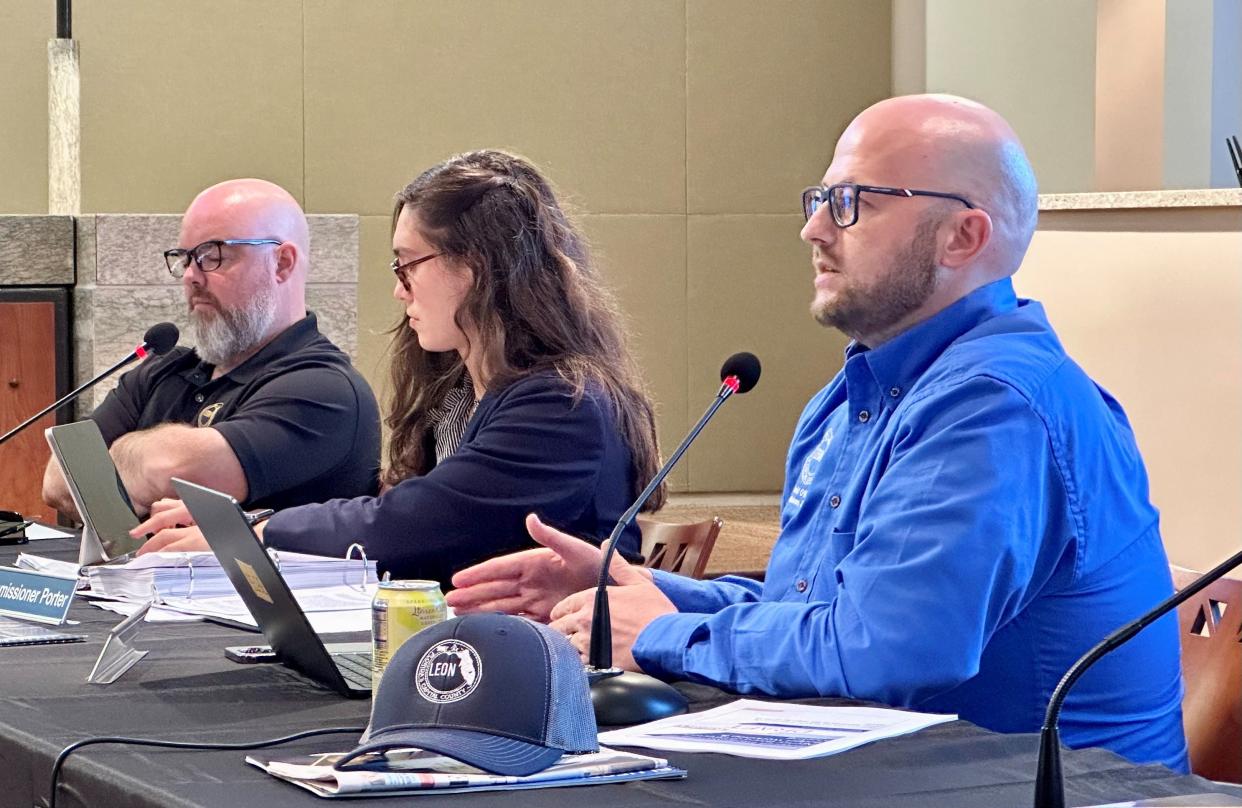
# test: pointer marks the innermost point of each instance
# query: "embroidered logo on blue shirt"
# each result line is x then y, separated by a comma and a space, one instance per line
797, 494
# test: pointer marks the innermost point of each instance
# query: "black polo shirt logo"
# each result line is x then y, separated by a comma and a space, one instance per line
208, 414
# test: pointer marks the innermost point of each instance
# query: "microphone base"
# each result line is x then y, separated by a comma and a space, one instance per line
1049, 786
634, 698
599, 674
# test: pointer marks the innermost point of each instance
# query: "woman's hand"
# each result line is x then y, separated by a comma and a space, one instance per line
532, 582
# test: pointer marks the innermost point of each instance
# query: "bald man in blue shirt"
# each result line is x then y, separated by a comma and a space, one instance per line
965, 511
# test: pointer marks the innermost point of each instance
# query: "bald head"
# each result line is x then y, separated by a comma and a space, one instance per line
251, 208
953, 144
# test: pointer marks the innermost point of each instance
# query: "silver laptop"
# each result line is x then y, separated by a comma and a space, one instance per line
95, 485
344, 667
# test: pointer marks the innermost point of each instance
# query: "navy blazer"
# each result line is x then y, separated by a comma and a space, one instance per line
528, 448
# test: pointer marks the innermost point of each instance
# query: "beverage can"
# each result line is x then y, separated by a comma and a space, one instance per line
400, 610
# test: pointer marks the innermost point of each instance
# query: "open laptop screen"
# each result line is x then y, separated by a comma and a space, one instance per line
261, 587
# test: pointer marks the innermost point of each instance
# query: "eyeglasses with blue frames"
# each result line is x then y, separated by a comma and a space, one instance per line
842, 199
402, 270
209, 255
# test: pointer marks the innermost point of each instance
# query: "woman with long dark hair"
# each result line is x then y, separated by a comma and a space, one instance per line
513, 388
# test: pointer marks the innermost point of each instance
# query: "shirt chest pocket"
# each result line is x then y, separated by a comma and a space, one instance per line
819, 578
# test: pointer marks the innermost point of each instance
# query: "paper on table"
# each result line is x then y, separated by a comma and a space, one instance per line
37, 531
329, 609
773, 730
1196, 800
156, 614
65, 569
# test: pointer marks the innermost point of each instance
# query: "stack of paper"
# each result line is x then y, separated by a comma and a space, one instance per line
329, 609
416, 772
194, 576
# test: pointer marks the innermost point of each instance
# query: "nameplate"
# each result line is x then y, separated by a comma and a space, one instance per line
35, 595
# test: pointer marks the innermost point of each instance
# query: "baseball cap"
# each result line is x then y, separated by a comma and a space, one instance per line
500, 693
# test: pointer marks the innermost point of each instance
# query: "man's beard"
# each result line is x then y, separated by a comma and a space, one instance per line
223, 335
908, 283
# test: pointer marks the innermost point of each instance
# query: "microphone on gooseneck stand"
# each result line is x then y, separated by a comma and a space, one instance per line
630, 698
159, 339
1049, 785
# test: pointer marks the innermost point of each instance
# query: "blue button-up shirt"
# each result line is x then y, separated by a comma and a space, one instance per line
965, 513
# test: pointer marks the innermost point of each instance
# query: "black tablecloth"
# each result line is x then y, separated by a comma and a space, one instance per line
186, 690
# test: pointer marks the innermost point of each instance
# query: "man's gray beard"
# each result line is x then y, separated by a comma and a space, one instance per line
230, 334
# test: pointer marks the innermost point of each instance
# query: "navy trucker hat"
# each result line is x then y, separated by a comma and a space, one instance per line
500, 693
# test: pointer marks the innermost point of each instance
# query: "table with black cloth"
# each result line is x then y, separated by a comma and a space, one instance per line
185, 690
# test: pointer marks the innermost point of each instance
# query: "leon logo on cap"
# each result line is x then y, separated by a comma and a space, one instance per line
448, 671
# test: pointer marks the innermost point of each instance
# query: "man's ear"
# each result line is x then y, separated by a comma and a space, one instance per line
286, 261
969, 232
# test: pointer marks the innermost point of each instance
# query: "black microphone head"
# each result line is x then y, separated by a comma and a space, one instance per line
745, 366
160, 338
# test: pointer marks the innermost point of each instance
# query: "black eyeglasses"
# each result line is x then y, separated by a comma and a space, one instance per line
207, 256
402, 270
842, 199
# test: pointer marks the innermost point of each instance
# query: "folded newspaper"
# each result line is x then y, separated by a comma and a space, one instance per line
404, 772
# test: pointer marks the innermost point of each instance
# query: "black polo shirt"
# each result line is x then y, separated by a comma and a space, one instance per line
299, 417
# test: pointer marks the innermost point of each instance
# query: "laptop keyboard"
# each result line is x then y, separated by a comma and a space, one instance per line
355, 667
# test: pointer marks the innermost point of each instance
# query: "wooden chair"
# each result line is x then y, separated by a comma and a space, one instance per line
680, 548
1211, 631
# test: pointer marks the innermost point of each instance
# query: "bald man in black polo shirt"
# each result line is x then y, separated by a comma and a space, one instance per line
264, 407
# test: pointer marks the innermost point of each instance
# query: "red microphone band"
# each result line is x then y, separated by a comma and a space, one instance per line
141, 350
731, 382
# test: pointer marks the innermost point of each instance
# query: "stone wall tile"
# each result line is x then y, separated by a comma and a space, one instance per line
130, 249
334, 249
120, 316
86, 269
336, 308
36, 250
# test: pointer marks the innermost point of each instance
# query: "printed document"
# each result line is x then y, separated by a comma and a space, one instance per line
329, 609
773, 730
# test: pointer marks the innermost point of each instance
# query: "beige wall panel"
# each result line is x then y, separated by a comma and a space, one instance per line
909, 46
1129, 93
592, 90
377, 309
749, 289
179, 95
769, 87
1033, 61
1154, 314
25, 28
643, 259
